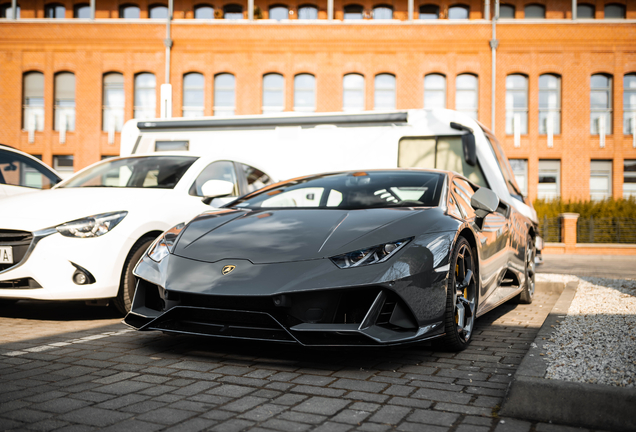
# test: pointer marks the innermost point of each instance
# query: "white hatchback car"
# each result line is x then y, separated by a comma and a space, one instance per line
21, 172
58, 244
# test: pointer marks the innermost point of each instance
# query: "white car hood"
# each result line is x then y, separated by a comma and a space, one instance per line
49, 208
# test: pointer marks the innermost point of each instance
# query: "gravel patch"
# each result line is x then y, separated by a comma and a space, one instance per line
596, 341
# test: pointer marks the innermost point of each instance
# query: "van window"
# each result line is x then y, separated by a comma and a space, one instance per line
255, 178
444, 153
504, 167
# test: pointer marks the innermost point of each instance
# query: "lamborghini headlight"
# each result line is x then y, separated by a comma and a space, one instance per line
165, 243
372, 255
91, 226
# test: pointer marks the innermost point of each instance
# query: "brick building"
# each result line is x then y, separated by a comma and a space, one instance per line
564, 90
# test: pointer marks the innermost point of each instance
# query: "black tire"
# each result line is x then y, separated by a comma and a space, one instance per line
526, 296
123, 301
458, 335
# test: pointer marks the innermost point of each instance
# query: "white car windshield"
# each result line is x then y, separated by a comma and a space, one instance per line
159, 172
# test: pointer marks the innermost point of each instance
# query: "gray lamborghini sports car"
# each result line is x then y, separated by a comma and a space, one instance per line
374, 258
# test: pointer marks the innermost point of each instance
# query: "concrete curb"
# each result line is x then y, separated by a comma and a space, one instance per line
532, 397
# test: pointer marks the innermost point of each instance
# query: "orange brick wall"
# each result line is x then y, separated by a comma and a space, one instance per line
328, 50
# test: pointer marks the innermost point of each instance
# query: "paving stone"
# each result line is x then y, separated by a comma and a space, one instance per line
320, 391
166, 416
429, 417
315, 380
351, 416
192, 425
289, 399
463, 409
374, 427
44, 425
158, 390
284, 425
121, 376
333, 427
390, 414
234, 425
303, 417
417, 427
143, 407
367, 397
410, 402
190, 405
442, 396
263, 412
230, 390
93, 416
218, 415
472, 428
321, 405
513, 425
122, 401
133, 425
61, 405
365, 386
13, 406
45, 396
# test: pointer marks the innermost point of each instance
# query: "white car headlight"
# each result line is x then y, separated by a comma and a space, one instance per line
91, 226
372, 255
165, 243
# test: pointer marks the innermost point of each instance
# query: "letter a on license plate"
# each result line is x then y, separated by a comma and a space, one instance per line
6, 255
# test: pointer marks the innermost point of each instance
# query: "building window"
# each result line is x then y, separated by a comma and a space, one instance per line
193, 95
520, 171
82, 11
308, 12
535, 11
64, 108
384, 92
601, 104
33, 101
158, 11
224, 95
145, 96
600, 180
466, 94
129, 11
353, 92
585, 11
273, 93
506, 11
549, 187
458, 12
6, 11
278, 12
614, 11
113, 108
549, 104
305, 93
382, 12
353, 12
629, 104
516, 104
629, 178
233, 11
54, 10
63, 164
434, 91
429, 12
203, 11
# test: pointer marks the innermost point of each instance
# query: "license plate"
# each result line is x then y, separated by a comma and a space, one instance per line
6, 255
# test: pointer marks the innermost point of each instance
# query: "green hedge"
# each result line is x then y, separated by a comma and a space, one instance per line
620, 208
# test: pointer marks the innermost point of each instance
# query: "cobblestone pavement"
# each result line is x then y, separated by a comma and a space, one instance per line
607, 266
75, 377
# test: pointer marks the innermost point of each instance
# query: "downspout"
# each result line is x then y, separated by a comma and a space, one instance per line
573, 9
166, 89
494, 43
14, 9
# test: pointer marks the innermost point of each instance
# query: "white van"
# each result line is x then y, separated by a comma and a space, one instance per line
291, 145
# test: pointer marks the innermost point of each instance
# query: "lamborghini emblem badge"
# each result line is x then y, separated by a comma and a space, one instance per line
228, 269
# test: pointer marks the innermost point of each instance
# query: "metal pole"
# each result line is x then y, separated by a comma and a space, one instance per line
92, 9
330, 10
250, 10
14, 9
487, 10
493, 47
573, 9
168, 41
411, 7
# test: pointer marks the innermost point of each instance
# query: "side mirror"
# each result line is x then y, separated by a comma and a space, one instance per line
470, 149
484, 201
216, 188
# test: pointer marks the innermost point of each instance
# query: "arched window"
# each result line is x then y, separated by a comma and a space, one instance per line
506, 11
466, 94
233, 11
549, 104
305, 93
516, 104
158, 11
129, 11
82, 10
224, 95
384, 97
614, 11
308, 12
535, 11
273, 93
54, 10
585, 11
278, 12
381, 12
429, 11
113, 102
353, 12
629, 104
6, 11
203, 11
434, 91
601, 104
353, 92
193, 95
33, 101
64, 105
458, 12
145, 96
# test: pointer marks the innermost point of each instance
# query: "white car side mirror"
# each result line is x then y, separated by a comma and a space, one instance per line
215, 189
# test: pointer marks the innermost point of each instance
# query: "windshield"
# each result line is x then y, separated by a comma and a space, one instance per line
159, 172
359, 190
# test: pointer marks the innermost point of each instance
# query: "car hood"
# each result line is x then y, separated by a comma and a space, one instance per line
49, 208
272, 236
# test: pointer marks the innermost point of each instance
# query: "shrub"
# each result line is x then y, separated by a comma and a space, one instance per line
610, 208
